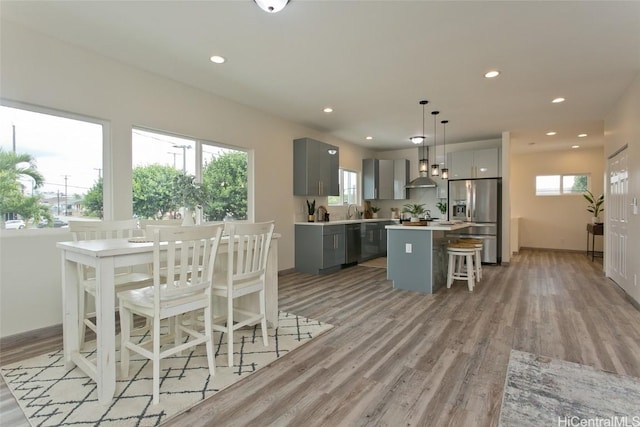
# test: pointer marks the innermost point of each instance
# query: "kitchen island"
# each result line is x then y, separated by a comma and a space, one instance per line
417, 255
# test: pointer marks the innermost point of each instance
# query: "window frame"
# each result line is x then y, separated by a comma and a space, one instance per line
358, 195
198, 154
107, 159
561, 191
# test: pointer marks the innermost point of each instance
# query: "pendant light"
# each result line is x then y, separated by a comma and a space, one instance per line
435, 171
423, 180
445, 170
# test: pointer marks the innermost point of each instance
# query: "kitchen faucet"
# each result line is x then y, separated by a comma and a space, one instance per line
349, 210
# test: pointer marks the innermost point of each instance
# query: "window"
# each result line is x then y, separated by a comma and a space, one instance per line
220, 172
348, 189
49, 161
555, 185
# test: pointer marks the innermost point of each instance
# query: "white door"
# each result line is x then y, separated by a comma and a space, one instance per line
617, 215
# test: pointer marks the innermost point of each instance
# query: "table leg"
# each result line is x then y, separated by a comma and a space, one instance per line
70, 316
593, 246
106, 327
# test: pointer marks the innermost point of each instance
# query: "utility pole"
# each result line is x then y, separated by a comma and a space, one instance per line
99, 172
184, 156
14, 138
174, 158
66, 196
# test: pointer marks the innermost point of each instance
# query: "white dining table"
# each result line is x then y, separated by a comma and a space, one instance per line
106, 256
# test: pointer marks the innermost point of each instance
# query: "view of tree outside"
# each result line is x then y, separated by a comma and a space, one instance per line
158, 159
47, 164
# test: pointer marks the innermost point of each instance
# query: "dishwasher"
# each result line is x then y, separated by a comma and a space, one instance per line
352, 243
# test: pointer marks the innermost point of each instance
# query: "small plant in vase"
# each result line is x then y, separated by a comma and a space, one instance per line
189, 194
415, 210
374, 211
442, 206
595, 205
311, 210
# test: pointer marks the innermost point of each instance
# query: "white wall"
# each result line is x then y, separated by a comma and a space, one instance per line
622, 126
557, 222
45, 72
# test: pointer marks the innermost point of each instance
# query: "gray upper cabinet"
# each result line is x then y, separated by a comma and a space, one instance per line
483, 163
384, 179
315, 168
400, 178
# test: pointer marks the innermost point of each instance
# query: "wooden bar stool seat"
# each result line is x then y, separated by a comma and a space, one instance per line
478, 255
459, 254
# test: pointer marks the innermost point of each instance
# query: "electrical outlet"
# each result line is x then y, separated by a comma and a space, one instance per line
408, 248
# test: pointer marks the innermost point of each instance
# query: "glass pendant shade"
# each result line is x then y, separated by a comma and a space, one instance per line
445, 170
272, 6
435, 171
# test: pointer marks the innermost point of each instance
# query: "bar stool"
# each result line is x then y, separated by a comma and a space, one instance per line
459, 254
478, 255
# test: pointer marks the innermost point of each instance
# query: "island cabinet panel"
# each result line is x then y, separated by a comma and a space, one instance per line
319, 249
417, 259
373, 242
315, 168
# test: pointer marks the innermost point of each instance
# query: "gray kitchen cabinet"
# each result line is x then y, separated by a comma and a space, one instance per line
319, 248
384, 179
315, 168
400, 178
483, 163
374, 240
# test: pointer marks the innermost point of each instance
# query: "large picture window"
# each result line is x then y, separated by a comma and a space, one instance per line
49, 161
219, 174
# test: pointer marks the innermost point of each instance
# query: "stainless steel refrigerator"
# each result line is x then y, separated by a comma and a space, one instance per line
479, 201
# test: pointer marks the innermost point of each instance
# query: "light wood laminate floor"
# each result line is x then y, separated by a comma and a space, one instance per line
403, 358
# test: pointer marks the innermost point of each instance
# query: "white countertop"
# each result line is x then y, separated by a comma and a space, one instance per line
347, 221
435, 227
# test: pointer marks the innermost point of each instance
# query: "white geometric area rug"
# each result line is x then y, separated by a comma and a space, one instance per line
49, 395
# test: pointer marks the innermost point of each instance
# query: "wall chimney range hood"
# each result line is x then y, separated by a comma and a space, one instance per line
423, 181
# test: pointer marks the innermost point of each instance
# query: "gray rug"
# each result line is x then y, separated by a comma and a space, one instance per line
541, 391
50, 395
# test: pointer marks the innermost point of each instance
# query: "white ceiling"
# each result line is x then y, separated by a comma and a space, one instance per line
372, 61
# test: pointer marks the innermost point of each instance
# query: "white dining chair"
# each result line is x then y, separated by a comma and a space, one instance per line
190, 253
247, 255
126, 277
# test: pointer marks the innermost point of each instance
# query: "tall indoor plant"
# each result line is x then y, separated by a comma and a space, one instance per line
595, 205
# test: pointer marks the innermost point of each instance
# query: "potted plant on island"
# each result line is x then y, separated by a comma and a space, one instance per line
595, 205
442, 206
190, 195
415, 210
311, 209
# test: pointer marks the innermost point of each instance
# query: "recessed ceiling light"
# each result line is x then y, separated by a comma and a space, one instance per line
575, 146
551, 133
582, 135
491, 74
558, 100
328, 110
216, 59
369, 138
